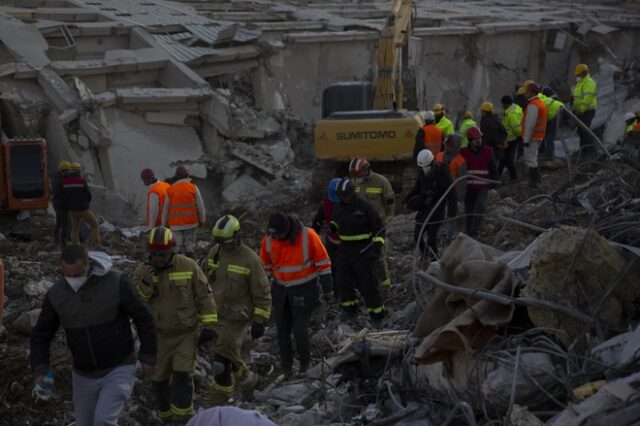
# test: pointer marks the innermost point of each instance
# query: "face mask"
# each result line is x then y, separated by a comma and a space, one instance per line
426, 170
578, 78
76, 282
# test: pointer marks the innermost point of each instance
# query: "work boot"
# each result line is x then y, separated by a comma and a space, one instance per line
287, 372
304, 366
532, 173
219, 394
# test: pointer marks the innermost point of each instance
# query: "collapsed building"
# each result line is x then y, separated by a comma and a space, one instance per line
231, 89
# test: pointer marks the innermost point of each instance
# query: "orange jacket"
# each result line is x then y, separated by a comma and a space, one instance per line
432, 138
454, 165
182, 204
540, 127
155, 206
298, 263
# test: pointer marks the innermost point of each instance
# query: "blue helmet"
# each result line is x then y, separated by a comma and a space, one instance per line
331, 190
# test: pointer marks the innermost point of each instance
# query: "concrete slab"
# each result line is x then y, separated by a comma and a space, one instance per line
245, 189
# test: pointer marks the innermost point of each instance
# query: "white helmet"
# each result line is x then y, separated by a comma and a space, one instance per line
428, 116
425, 158
629, 116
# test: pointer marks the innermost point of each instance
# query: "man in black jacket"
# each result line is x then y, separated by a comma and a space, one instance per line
494, 135
77, 199
432, 183
94, 304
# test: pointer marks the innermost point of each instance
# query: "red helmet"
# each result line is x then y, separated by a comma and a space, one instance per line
533, 87
359, 167
182, 172
160, 240
147, 174
474, 132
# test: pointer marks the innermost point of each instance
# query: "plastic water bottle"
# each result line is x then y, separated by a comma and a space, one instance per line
43, 391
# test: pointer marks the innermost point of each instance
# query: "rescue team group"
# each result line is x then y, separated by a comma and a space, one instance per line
177, 304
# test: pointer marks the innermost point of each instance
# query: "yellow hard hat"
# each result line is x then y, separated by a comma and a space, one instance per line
64, 165
438, 108
486, 106
580, 68
523, 88
75, 166
467, 114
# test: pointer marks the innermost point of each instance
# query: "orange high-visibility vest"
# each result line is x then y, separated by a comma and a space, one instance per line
432, 138
294, 264
454, 165
541, 122
160, 189
183, 209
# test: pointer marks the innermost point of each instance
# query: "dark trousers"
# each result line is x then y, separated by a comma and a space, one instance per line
292, 311
62, 230
475, 202
548, 146
586, 141
332, 250
359, 271
508, 159
432, 230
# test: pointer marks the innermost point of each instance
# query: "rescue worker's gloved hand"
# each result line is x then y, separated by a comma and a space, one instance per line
326, 283
257, 330
206, 336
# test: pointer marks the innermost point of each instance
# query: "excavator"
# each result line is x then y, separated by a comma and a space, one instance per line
358, 119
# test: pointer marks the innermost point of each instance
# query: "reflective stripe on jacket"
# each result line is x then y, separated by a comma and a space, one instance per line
156, 193
477, 165
183, 210
378, 191
298, 263
540, 127
585, 95
432, 138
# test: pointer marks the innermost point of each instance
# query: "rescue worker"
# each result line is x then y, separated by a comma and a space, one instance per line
550, 99
512, 122
77, 198
632, 129
179, 296
183, 211
457, 167
467, 121
432, 183
480, 162
321, 222
156, 195
584, 104
241, 291
534, 127
61, 231
494, 134
377, 190
442, 121
429, 136
361, 239
295, 260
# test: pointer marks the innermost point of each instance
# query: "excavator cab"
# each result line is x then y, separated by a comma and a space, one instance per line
23, 174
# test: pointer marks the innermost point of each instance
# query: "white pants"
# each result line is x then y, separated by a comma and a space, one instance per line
530, 156
185, 240
99, 401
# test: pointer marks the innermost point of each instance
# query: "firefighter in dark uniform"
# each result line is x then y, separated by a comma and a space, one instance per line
361, 239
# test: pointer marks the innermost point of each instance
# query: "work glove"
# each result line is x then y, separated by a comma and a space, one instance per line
206, 335
257, 330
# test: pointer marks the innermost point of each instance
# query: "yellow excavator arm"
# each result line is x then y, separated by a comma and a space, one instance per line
394, 39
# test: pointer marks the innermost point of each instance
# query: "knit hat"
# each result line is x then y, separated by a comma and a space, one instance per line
279, 224
182, 172
506, 100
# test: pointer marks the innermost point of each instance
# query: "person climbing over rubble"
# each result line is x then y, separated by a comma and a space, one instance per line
584, 103
242, 293
77, 198
321, 222
533, 130
156, 196
467, 121
457, 167
61, 231
183, 211
295, 262
512, 122
480, 162
95, 305
362, 235
429, 136
179, 296
430, 186
443, 121
377, 190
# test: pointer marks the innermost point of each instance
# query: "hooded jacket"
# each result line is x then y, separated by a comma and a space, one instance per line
96, 321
